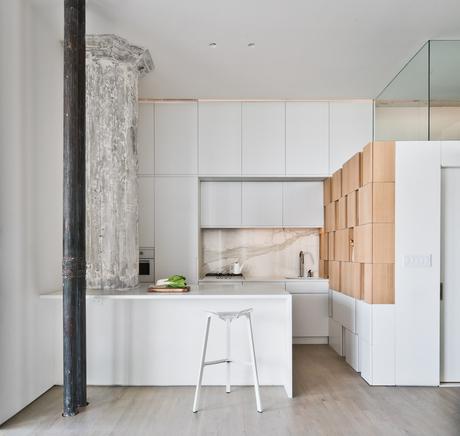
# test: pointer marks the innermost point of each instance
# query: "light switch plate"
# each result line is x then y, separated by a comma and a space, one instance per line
417, 260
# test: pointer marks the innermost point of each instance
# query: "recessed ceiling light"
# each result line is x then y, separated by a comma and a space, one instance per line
251, 44
212, 44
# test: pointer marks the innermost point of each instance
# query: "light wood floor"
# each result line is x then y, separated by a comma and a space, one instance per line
331, 399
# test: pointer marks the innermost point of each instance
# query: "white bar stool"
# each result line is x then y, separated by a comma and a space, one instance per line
228, 317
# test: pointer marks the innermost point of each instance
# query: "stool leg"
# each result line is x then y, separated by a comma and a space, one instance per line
200, 375
227, 388
254, 364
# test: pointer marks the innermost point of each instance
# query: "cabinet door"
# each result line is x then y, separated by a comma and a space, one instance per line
310, 315
176, 138
262, 203
220, 204
307, 138
145, 139
302, 204
219, 140
176, 227
263, 138
350, 130
146, 211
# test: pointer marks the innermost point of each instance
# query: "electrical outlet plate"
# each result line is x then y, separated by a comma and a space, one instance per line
417, 260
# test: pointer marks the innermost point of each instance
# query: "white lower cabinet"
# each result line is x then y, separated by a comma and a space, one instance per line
176, 227
336, 336
310, 315
351, 349
365, 359
344, 310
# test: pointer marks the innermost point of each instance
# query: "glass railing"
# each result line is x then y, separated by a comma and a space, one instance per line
423, 101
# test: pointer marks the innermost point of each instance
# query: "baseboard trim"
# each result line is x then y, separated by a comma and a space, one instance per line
310, 340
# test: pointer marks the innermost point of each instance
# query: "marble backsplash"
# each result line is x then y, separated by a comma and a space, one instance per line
267, 252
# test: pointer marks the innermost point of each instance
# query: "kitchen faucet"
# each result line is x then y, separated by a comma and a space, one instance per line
301, 264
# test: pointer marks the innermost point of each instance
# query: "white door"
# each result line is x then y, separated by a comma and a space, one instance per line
219, 138
307, 138
146, 211
262, 204
310, 315
450, 276
220, 204
263, 135
303, 204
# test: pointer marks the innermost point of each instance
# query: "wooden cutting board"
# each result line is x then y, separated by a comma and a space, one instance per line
165, 289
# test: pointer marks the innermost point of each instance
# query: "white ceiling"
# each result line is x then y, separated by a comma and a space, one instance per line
305, 49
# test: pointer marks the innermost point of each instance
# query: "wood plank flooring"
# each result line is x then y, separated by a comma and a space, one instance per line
331, 399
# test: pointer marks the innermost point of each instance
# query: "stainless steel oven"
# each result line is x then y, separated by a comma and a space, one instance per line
146, 265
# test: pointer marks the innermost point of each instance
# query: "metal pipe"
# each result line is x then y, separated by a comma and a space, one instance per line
74, 256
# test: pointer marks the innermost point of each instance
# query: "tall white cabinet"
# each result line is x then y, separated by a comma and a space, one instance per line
176, 227
307, 138
219, 132
263, 138
176, 138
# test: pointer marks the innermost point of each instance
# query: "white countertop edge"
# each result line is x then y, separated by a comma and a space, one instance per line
185, 296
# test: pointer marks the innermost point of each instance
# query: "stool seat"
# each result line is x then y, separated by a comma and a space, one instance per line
228, 317
224, 316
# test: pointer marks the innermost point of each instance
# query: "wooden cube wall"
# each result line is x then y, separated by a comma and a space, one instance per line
357, 248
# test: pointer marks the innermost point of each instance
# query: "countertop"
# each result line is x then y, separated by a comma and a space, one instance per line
263, 279
210, 290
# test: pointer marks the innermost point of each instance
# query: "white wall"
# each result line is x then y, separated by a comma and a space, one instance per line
417, 233
30, 202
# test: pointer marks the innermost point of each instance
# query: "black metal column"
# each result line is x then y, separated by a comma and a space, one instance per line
74, 261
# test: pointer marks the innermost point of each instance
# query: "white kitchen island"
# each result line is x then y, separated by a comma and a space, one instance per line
139, 338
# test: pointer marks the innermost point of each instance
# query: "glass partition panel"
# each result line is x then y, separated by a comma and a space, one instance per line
444, 90
402, 108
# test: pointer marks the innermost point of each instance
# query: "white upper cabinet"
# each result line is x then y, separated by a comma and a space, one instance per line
307, 138
263, 138
220, 204
176, 227
262, 203
176, 138
145, 139
219, 138
351, 130
146, 211
303, 204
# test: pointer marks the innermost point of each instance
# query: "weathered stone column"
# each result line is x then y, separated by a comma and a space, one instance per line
113, 67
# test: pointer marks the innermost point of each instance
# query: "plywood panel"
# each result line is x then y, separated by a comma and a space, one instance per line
363, 243
337, 185
383, 202
329, 212
378, 283
330, 244
383, 161
351, 174
365, 204
383, 242
352, 204
366, 164
351, 274
334, 275
341, 213
323, 246
342, 245
323, 269
327, 191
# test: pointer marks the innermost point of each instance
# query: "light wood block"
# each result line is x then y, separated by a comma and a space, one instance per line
329, 212
362, 240
337, 185
323, 246
352, 209
341, 213
323, 269
378, 162
327, 191
351, 279
342, 245
383, 242
376, 203
330, 244
378, 283
334, 275
351, 174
